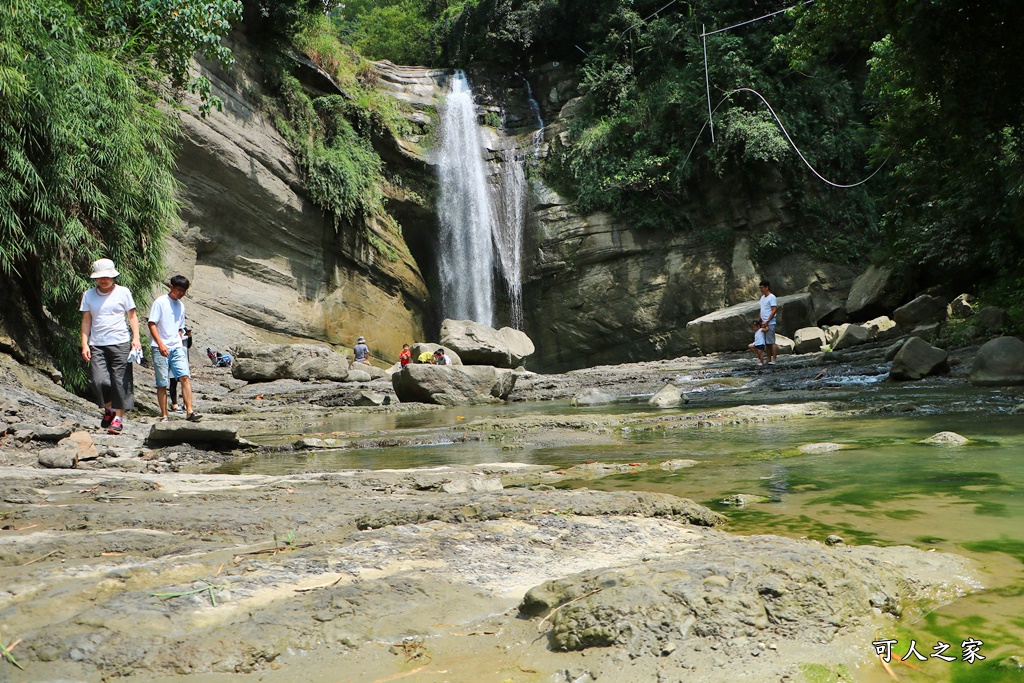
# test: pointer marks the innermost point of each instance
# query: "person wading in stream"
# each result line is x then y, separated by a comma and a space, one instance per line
107, 343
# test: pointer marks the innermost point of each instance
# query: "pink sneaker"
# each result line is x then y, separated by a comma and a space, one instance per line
115, 426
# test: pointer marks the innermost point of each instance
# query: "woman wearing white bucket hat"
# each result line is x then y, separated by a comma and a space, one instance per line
107, 343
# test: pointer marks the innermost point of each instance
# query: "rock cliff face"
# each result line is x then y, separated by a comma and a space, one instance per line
266, 264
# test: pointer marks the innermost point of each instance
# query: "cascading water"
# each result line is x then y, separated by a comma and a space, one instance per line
508, 232
465, 251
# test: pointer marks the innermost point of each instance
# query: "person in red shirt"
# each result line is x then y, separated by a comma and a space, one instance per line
405, 357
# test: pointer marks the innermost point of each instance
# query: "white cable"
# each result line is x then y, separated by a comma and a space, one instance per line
751, 21
792, 144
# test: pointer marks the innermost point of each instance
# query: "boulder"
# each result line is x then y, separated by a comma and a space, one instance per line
58, 458
479, 344
36, 432
871, 293
358, 375
372, 370
592, 397
832, 333
929, 331
668, 396
916, 359
218, 436
809, 340
453, 385
784, 344
882, 328
891, 351
961, 307
268, 362
992, 318
420, 347
729, 328
999, 362
945, 439
370, 398
852, 335
923, 310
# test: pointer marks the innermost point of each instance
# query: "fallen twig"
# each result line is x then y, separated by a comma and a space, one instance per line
552, 612
209, 587
326, 585
41, 557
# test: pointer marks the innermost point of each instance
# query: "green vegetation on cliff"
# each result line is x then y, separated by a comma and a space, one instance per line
922, 89
86, 139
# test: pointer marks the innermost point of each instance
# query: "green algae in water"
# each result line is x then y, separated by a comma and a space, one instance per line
1010, 546
820, 673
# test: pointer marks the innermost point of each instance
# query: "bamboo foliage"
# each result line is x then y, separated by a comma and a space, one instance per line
86, 153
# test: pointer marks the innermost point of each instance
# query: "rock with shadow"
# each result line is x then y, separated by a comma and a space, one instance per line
268, 362
916, 359
215, 436
454, 385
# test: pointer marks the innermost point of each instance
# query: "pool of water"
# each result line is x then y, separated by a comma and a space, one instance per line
882, 488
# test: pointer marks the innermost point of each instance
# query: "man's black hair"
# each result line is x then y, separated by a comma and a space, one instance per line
180, 281
764, 283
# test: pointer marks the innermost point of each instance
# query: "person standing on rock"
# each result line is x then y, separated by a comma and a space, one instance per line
170, 357
769, 309
405, 357
362, 351
107, 343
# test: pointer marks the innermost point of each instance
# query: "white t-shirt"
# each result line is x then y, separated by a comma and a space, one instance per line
758, 337
169, 316
108, 315
443, 360
767, 302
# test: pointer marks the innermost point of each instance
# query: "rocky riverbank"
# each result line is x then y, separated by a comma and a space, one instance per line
137, 564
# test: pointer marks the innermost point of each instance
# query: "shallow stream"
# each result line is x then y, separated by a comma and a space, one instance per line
883, 487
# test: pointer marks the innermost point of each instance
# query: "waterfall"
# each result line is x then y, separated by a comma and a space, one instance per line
465, 251
508, 232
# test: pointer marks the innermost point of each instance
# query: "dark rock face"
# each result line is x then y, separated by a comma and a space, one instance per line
923, 310
268, 362
871, 294
916, 359
453, 385
999, 362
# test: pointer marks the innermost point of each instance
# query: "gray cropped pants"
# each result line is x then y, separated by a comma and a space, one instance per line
111, 376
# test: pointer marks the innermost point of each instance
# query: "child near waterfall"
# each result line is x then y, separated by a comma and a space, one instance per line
758, 345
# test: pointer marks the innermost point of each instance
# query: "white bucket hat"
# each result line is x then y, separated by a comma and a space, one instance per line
103, 267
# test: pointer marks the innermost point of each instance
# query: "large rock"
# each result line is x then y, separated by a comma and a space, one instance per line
669, 396
916, 359
871, 294
961, 307
851, 335
999, 362
923, 310
729, 329
479, 344
809, 340
592, 396
992, 318
453, 385
267, 362
218, 436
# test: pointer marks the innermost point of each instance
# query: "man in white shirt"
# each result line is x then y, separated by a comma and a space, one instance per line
170, 357
769, 308
107, 342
